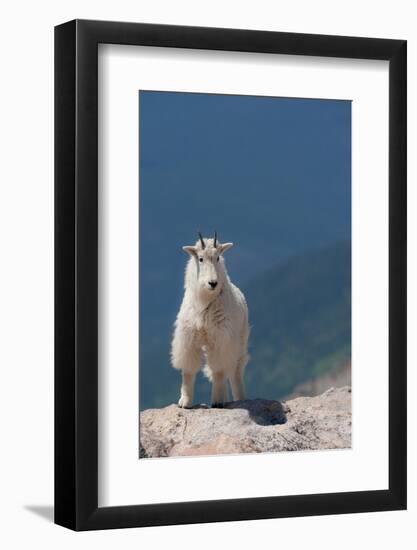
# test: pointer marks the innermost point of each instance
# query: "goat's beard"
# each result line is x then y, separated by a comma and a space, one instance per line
206, 294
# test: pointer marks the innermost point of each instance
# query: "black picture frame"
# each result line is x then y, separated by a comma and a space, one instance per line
76, 272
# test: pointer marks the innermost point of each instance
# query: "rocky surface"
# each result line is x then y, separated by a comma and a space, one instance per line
250, 426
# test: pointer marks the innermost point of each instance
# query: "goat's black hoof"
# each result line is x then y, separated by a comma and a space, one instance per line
217, 405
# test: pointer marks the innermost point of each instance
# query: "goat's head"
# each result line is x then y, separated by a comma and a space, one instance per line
211, 272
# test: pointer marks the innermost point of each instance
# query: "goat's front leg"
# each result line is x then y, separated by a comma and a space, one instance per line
217, 369
187, 389
186, 357
238, 388
219, 389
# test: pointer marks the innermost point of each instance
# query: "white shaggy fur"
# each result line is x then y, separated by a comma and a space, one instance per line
211, 323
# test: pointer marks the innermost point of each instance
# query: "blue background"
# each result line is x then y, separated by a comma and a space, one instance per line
272, 175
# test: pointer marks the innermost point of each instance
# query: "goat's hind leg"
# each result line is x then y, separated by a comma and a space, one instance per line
225, 392
237, 378
237, 382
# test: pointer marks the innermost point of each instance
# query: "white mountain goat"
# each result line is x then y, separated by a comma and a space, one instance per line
212, 322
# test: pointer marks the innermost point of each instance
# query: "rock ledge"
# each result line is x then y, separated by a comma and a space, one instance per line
250, 426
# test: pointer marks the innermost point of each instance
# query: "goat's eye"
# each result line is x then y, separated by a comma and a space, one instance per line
218, 258
200, 259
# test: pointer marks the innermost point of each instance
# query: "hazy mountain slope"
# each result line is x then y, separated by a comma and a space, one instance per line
301, 320
337, 377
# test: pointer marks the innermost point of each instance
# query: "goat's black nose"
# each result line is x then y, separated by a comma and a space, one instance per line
213, 284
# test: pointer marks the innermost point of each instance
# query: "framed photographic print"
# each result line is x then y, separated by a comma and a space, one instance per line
230, 255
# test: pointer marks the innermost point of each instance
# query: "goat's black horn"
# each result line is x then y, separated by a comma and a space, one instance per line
215, 239
201, 240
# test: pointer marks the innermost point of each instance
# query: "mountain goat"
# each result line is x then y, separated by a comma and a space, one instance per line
212, 322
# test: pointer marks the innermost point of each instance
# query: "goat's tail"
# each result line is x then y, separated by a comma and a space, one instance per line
207, 372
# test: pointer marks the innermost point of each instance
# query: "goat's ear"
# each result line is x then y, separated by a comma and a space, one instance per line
191, 250
224, 247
